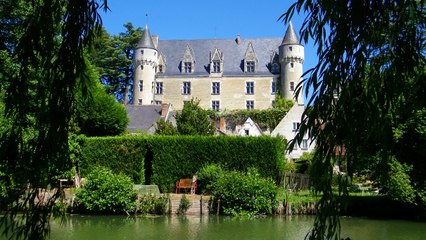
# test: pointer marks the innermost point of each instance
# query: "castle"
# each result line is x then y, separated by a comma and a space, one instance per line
224, 74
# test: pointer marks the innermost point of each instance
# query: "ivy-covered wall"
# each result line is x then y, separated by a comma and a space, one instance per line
163, 160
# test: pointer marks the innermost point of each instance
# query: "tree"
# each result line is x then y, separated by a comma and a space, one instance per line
193, 120
47, 55
165, 128
113, 56
369, 81
99, 114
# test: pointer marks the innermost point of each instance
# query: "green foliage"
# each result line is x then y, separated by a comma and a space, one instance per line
267, 119
106, 192
152, 204
369, 80
398, 184
184, 205
175, 157
124, 155
283, 103
99, 114
178, 157
245, 193
44, 42
193, 120
113, 57
207, 175
165, 128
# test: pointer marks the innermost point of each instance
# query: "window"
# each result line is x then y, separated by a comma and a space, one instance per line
160, 68
290, 49
186, 88
250, 66
159, 88
250, 88
140, 86
295, 146
291, 86
291, 65
274, 87
215, 105
215, 88
216, 66
247, 132
141, 67
250, 105
140, 101
141, 51
158, 102
304, 144
187, 67
296, 126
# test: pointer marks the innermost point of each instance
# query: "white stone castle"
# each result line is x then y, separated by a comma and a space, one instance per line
223, 74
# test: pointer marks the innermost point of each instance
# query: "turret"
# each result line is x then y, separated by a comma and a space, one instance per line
292, 55
145, 62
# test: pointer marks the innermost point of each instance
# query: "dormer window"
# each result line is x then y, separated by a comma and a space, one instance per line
188, 61
250, 66
216, 66
161, 67
187, 67
250, 60
216, 62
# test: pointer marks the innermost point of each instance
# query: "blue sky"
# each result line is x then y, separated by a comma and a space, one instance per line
197, 19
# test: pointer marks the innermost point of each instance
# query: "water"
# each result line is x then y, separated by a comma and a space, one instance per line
223, 228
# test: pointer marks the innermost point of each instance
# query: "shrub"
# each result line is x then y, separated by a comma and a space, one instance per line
183, 205
245, 193
106, 192
207, 176
152, 204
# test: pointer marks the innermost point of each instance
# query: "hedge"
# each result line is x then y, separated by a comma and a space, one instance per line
124, 155
169, 158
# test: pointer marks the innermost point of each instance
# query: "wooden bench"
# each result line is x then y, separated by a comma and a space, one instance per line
185, 184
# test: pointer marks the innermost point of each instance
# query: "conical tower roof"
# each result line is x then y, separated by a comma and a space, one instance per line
290, 36
146, 40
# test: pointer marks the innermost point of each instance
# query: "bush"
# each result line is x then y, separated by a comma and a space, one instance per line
245, 193
106, 192
183, 205
152, 204
207, 176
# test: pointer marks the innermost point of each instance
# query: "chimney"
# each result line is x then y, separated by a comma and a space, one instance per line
222, 124
164, 109
155, 40
238, 39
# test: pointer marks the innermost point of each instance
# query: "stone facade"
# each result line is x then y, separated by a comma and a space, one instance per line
224, 74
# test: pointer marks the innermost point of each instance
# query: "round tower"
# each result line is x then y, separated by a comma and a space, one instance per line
292, 55
145, 62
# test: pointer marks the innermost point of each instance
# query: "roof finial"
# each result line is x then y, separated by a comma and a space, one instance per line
146, 15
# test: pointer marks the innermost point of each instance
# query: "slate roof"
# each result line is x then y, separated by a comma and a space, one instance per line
142, 117
290, 36
146, 40
173, 52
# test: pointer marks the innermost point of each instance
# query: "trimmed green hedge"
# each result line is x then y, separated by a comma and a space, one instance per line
121, 154
169, 158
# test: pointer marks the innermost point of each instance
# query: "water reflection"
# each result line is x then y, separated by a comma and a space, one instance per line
223, 228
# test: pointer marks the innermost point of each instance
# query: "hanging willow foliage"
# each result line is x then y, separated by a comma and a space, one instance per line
49, 61
370, 79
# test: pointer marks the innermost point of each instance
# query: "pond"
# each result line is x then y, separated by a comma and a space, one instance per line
212, 227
